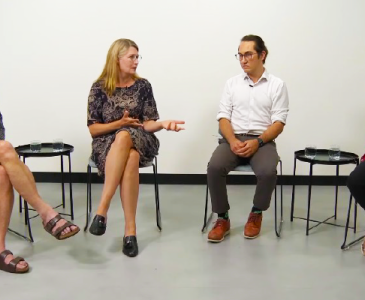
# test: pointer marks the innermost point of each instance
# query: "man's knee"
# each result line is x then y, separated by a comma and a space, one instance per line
215, 168
268, 173
6, 150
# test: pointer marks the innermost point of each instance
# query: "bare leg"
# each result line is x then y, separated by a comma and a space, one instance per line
129, 192
6, 206
23, 181
114, 167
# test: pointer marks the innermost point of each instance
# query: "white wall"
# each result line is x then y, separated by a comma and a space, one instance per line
52, 51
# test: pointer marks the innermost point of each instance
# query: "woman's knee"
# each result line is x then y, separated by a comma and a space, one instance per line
123, 139
6, 150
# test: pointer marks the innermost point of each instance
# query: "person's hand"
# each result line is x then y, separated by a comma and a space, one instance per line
249, 148
172, 125
127, 121
236, 145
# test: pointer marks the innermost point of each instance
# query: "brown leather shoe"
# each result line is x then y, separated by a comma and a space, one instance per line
219, 231
253, 226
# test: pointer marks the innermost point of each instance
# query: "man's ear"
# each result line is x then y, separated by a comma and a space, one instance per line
263, 55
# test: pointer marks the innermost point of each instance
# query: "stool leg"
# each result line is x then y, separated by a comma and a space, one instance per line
157, 196
88, 198
278, 230
205, 209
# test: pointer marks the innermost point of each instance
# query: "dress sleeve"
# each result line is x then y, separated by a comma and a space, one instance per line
95, 105
149, 106
2, 128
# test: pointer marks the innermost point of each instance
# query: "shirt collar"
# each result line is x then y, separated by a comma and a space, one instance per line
264, 75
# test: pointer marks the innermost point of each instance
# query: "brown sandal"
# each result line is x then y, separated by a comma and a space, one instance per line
11, 266
57, 234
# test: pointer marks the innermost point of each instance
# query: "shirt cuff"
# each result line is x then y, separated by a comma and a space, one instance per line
222, 115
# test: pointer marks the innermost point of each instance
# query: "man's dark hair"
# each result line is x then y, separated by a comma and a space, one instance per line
259, 44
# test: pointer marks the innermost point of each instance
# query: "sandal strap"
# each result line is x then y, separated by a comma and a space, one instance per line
14, 262
59, 230
4, 254
52, 223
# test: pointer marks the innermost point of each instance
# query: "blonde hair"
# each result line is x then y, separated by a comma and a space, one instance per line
110, 76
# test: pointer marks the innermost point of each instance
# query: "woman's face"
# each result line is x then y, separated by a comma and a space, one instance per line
128, 63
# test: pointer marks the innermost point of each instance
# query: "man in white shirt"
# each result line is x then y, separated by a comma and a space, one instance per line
252, 113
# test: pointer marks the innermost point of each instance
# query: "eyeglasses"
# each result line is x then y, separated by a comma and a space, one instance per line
133, 57
247, 55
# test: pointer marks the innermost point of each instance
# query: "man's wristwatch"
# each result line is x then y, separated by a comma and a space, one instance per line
261, 142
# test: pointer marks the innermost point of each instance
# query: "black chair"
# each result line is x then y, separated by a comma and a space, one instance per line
247, 169
91, 164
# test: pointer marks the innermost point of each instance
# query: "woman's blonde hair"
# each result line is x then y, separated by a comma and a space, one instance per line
109, 76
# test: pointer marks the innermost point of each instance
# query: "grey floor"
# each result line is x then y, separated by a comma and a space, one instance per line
178, 263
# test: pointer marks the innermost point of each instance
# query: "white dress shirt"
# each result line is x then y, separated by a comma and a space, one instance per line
253, 107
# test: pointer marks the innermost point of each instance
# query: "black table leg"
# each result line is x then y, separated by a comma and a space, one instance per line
20, 199
336, 189
355, 217
293, 192
309, 196
71, 196
28, 221
62, 183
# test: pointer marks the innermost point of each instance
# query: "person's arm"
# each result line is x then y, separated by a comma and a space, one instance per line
150, 115
95, 121
272, 132
98, 129
226, 130
280, 109
224, 118
170, 125
250, 147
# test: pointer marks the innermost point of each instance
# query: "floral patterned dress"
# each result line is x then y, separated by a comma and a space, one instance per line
2, 129
138, 100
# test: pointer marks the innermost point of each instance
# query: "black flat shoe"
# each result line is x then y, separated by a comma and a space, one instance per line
98, 226
130, 246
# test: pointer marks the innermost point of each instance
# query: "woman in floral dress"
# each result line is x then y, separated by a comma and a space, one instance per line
122, 119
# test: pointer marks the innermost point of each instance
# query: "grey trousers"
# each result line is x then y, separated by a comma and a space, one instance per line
263, 164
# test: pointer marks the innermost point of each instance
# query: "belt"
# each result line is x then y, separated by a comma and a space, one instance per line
247, 134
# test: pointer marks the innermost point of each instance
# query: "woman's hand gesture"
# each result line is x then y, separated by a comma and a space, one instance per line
172, 125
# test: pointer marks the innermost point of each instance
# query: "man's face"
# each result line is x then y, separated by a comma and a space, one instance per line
249, 59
